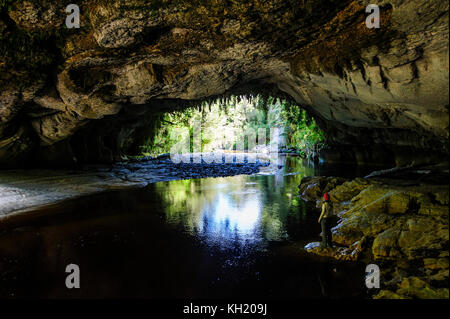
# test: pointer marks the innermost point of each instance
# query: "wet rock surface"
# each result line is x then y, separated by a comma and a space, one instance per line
400, 225
335, 252
22, 190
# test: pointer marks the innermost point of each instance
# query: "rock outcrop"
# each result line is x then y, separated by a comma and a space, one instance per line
377, 93
400, 225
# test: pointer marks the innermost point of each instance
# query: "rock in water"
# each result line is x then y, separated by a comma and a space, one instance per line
335, 252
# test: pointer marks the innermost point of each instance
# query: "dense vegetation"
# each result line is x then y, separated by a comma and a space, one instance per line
225, 122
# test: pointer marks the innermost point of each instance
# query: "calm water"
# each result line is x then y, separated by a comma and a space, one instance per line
237, 236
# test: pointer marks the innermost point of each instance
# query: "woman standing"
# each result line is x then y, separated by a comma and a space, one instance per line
324, 221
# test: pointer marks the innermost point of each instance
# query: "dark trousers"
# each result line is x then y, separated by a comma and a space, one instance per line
326, 232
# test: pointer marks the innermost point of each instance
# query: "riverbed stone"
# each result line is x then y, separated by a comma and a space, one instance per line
358, 224
433, 204
335, 252
436, 263
423, 237
418, 288
313, 188
346, 191
439, 276
385, 244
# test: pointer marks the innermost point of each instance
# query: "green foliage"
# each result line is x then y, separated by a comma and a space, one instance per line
303, 132
225, 122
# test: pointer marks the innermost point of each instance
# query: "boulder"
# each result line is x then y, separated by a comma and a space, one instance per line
436, 263
312, 188
423, 237
335, 252
385, 244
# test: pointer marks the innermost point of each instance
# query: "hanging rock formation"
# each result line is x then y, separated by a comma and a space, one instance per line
89, 94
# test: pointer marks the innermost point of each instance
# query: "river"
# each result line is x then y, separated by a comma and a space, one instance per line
240, 236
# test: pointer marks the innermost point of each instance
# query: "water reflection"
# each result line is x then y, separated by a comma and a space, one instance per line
243, 210
228, 219
238, 236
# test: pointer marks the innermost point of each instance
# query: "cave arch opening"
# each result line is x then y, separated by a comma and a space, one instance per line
144, 129
246, 123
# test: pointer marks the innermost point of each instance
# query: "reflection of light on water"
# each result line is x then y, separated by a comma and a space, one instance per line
225, 220
239, 211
